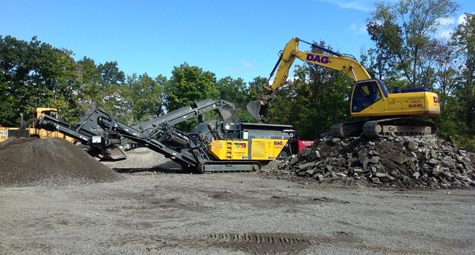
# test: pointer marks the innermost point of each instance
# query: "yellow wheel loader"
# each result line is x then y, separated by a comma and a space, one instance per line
27, 129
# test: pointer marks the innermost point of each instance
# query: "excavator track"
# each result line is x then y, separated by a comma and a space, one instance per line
384, 128
399, 127
347, 129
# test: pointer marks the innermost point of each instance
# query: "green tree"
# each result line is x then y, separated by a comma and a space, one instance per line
282, 108
87, 85
464, 41
12, 72
99, 86
403, 30
110, 82
143, 97
321, 100
188, 85
329, 94
444, 78
254, 88
35, 74
235, 91
381, 60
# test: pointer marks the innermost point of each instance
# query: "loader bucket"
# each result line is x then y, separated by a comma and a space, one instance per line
254, 109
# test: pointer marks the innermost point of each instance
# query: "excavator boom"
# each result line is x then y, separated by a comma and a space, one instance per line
258, 109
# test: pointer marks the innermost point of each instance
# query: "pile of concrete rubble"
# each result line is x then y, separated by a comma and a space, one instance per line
412, 162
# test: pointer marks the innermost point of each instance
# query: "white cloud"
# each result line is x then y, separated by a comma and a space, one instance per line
247, 63
445, 21
445, 34
247, 68
361, 5
356, 30
363, 29
235, 70
462, 19
352, 27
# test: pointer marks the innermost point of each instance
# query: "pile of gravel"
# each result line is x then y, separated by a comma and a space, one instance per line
143, 159
48, 162
412, 162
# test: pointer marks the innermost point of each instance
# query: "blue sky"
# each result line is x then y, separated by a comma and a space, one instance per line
229, 38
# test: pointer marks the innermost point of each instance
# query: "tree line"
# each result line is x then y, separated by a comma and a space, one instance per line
407, 54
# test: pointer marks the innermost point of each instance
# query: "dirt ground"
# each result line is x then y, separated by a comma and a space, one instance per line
167, 211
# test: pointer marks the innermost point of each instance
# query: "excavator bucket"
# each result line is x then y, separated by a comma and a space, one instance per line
258, 110
253, 108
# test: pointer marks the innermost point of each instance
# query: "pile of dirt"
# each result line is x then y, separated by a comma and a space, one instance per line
411, 162
48, 162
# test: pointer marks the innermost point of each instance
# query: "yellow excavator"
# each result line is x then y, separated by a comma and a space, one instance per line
387, 113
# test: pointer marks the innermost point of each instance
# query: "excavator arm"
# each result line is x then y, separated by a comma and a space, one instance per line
258, 109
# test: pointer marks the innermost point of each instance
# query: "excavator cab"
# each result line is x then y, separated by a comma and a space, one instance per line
366, 93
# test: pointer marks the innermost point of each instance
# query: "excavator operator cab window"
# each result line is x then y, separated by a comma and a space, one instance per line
377, 93
365, 95
363, 92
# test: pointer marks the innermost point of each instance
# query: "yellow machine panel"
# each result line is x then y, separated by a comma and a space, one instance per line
371, 100
229, 149
399, 104
4, 133
266, 149
261, 149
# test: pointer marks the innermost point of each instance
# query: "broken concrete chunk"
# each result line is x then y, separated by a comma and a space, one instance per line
319, 177
434, 161
305, 152
411, 146
363, 156
416, 175
397, 157
376, 180
374, 159
448, 164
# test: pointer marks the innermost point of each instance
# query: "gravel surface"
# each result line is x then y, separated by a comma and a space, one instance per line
143, 159
163, 210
